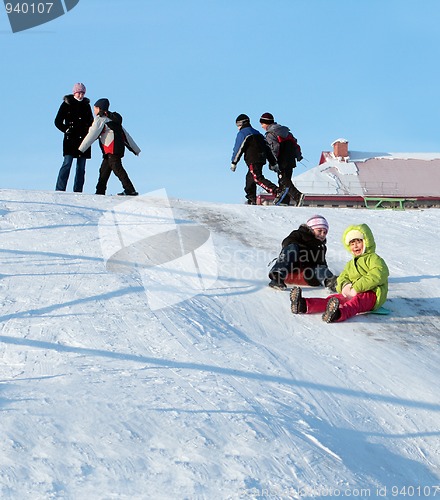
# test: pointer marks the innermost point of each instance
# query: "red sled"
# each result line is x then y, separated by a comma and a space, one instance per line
296, 278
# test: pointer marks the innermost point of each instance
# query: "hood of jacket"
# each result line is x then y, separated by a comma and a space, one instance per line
114, 117
305, 237
70, 99
370, 244
278, 130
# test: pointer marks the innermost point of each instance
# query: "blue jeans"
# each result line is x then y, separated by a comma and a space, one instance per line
63, 175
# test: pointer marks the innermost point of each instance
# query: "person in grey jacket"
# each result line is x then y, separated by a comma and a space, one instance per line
287, 152
113, 139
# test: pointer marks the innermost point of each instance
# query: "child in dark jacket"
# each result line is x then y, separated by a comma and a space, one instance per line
250, 143
302, 259
362, 286
113, 139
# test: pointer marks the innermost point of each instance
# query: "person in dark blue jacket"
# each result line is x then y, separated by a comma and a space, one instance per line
252, 144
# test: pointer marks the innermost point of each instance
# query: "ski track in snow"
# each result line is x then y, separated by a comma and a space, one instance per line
223, 395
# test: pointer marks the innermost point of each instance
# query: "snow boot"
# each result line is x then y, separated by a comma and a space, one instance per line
298, 304
330, 283
298, 198
332, 312
281, 194
125, 193
278, 284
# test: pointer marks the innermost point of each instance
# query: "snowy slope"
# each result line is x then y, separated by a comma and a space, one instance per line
131, 371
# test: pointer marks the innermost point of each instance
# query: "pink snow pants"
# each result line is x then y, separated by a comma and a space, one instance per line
360, 303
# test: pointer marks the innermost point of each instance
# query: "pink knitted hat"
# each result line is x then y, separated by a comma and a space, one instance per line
79, 87
317, 221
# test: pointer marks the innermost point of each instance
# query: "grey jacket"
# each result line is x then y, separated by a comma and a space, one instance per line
99, 128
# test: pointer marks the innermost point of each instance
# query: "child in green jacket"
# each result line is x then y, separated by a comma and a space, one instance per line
362, 286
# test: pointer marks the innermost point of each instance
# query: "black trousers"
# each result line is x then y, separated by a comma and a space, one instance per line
291, 261
255, 176
285, 181
112, 163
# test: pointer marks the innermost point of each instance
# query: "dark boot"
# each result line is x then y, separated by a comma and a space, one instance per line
332, 312
298, 304
276, 281
280, 195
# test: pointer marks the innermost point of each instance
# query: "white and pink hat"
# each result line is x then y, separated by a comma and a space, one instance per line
317, 222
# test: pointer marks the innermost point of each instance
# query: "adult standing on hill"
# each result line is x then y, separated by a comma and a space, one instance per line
74, 119
287, 152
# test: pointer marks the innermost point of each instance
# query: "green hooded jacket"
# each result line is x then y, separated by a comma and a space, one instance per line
367, 271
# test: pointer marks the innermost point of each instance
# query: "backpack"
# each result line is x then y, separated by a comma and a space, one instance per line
291, 143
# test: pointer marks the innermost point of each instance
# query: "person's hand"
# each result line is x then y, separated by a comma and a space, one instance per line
348, 291
275, 168
233, 167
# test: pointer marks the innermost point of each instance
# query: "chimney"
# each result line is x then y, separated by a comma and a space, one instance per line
340, 148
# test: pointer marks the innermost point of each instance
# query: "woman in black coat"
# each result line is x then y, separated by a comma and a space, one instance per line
303, 257
74, 119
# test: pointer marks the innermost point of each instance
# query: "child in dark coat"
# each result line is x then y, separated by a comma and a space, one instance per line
113, 139
303, 257
250, 143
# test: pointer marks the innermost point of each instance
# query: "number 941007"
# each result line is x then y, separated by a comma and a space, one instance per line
29, 8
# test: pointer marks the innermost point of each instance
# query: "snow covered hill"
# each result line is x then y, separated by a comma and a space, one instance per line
142, 355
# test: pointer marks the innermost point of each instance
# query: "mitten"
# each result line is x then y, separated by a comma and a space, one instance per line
233, 167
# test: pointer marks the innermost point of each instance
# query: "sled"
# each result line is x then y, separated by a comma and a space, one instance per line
267, 199
296, 279
381, 310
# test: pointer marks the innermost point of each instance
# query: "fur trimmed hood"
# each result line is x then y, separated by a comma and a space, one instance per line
70, 99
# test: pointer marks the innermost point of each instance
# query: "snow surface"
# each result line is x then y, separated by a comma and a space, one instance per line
105, 393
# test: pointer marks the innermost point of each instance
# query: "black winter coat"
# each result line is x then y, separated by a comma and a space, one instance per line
74, 119
254, 147
119, 143
311, 250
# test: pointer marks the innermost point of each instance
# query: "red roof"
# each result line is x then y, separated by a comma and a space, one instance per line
374, 174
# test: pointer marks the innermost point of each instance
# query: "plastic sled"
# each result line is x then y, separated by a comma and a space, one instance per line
296, 279
382, 310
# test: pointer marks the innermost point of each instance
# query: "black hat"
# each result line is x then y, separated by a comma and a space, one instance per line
267, 118
242, 120
103, 104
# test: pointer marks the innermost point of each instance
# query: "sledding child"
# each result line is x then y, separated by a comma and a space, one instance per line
302, 257
362, 285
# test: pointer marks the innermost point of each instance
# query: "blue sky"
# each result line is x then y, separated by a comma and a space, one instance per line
180, 72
